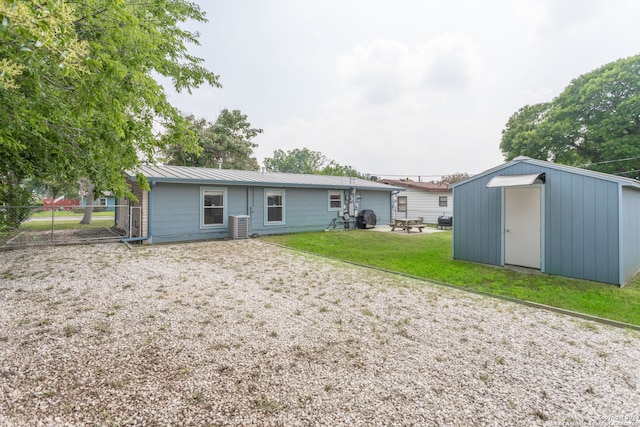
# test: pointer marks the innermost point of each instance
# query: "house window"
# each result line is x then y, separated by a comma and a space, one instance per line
103, 201
274, 212
443, 201
402, 203
335, 200
213, 207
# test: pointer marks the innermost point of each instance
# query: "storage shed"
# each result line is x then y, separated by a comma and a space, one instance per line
187, 203
559, 219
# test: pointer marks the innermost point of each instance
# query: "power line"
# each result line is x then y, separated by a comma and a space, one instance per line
406, 175
613, 161
628, 172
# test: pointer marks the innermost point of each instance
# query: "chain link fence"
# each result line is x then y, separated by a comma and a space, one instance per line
34, 225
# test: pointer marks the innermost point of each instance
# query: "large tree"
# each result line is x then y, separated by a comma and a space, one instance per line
593, 123
303, 160
225, 143
77, 87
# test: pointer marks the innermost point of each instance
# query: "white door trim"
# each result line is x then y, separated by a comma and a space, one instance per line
522, 229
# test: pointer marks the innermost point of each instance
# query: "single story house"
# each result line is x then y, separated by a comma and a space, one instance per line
426, 200
188, 203
559, 219
105, 202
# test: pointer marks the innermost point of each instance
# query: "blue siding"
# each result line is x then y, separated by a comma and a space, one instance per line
176, 210
630, 233
307, 210
581, 229
477, 223
581, 238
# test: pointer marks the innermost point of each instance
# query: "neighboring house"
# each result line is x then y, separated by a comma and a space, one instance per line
107, 201
428, 200
558, 219
187, 203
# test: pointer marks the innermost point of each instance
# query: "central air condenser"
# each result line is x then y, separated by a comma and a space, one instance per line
238, 227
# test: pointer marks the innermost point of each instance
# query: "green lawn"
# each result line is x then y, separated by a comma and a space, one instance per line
73, 213
67, 224
429, 256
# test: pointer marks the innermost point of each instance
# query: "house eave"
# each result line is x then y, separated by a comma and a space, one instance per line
625, 182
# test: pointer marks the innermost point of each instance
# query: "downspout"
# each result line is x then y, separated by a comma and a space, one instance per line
453, 232
391, 205
149, 216
621, 278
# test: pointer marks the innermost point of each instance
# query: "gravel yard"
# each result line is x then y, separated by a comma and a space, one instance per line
245, 333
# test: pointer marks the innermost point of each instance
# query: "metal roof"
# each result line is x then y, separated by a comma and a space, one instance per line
193, 175
629, 182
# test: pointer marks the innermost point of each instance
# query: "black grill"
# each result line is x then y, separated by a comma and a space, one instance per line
445, 221
366, 219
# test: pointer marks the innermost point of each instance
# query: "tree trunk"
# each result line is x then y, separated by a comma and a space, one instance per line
88, 210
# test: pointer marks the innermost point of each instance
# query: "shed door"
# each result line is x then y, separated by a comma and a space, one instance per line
522, 226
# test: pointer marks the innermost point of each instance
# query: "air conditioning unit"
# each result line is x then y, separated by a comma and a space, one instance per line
238, 227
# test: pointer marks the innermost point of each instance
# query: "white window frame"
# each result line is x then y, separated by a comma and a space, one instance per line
203, 192
274, 191
338, 193
405, 204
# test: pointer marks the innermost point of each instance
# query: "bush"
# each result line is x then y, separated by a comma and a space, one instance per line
15, 206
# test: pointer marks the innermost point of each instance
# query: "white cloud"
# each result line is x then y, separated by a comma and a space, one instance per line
386, 71
393, 96
410, 87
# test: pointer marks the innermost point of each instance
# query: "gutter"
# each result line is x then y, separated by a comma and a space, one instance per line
391, 204
149, 216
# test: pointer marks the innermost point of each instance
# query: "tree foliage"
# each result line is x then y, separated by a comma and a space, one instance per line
333, 168
593, 123
77, 89
227, 142
453, 178
42, 188
303, 160
296, 161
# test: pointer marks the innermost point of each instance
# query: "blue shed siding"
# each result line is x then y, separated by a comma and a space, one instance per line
630, 233
580, 219
581, 227
477, 223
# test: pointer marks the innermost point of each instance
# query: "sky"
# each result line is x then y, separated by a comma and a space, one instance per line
404, 88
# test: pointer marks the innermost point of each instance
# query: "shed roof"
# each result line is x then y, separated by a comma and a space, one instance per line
422, 186
570, 169
193, 175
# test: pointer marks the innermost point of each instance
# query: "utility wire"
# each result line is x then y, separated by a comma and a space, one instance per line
628, 172
613, 161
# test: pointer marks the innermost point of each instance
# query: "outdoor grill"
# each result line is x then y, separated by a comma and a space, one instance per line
445, 221
366, 219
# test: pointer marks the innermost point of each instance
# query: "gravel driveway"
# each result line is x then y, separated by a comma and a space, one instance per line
245, 333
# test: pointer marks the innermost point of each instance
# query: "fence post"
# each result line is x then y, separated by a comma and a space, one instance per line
52, 222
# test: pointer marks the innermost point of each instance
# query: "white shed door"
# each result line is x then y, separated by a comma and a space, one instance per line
522, 226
